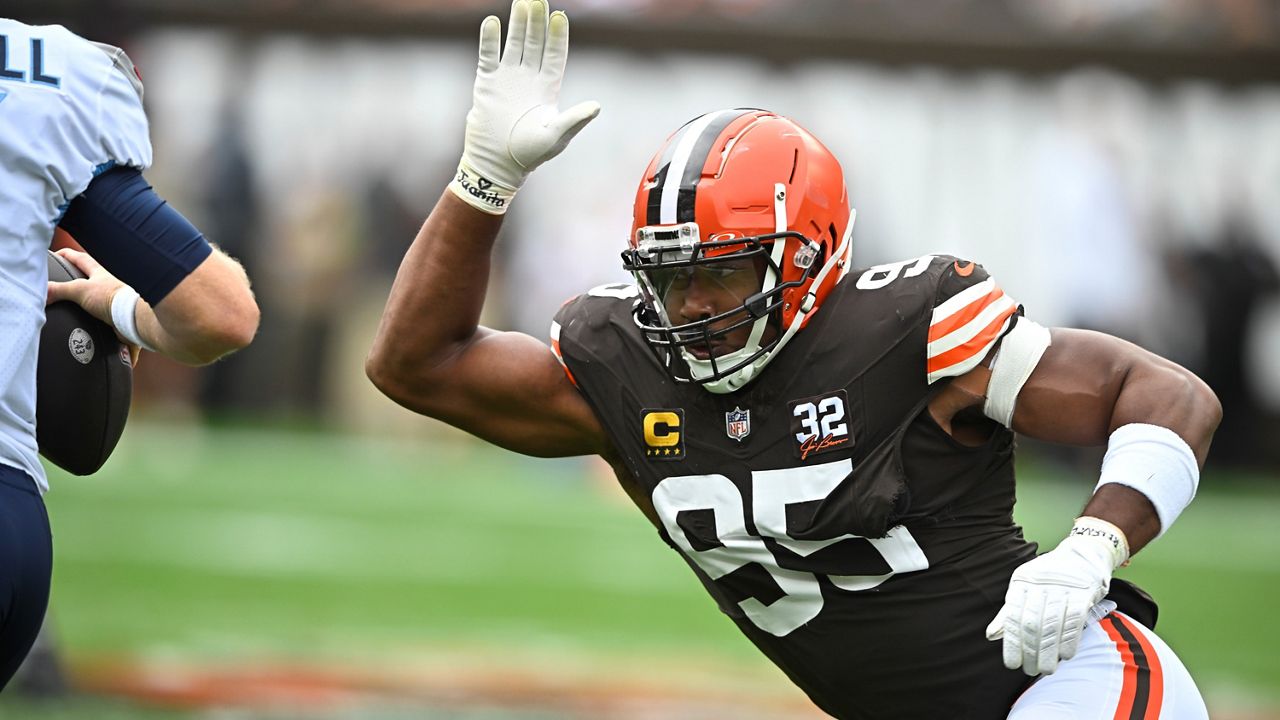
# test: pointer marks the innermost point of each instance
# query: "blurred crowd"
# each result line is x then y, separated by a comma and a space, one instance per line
1096, 199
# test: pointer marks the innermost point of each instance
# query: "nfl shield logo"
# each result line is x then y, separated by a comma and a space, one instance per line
737, 423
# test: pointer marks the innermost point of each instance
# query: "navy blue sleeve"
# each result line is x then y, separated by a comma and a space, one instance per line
134, 233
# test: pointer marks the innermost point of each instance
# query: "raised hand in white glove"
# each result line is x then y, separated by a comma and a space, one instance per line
515, 123
1049, 597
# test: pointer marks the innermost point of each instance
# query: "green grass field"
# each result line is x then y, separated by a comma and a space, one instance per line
450, 562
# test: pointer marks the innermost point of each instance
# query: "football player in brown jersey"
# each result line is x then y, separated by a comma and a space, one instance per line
829, 448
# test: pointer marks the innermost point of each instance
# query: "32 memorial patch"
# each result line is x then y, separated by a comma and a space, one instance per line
663, 433
819, 423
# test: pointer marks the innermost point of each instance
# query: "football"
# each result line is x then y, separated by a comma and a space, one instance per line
84, 381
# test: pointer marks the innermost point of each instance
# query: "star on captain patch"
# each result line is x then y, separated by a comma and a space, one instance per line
737, 423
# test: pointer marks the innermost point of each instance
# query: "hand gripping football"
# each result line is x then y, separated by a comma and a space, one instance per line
84, 380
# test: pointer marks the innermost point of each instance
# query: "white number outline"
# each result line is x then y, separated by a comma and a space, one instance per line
621, 291
772, 491
891, 271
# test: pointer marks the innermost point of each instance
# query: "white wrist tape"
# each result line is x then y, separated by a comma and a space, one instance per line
124, 308
1156, 462
480, 192
1110, 536
1020, 351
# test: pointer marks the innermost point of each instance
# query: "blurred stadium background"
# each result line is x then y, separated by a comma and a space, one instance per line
274, 540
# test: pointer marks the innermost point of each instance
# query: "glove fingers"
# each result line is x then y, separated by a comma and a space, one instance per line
1032, 633
535, 36
1011, 617
557, 51
1012, 643
490, 42
517, 28
1072, 629
1053, 627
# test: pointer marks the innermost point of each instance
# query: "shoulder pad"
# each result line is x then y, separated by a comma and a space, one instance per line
120, 59
580, 317
597, 306
970, 315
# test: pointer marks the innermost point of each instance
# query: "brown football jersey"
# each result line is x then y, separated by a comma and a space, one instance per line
855, 542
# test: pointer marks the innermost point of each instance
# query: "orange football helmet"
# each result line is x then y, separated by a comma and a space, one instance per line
730, 185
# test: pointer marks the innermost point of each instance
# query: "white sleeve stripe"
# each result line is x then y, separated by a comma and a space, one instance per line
960, 300
970, 330
961, 367
555, 343
964, 366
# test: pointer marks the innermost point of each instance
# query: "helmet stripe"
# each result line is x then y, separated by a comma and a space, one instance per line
653, 209
693, 170
677, 184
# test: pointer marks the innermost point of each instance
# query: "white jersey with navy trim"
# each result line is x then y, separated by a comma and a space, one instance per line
69, 109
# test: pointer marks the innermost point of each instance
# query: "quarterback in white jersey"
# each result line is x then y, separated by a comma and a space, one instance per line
84, 101
73, 142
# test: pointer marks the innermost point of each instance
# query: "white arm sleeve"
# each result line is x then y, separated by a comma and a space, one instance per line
1156, 462
1020, 351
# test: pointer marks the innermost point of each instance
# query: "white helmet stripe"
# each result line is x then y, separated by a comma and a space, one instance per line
670, 187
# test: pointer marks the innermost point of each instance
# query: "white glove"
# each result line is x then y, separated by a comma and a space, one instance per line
515, 124
1049, 597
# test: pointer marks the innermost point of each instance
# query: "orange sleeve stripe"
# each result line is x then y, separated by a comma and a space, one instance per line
555, 348
964, 315
569, 375
975, 345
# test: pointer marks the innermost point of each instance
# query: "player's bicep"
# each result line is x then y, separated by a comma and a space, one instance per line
1070, 395
510, 389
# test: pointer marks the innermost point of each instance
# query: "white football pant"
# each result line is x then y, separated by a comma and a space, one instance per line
1121, 671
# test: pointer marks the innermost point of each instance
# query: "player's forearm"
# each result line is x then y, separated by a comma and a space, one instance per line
211, 314
435, 302
1155, 395
1156, 419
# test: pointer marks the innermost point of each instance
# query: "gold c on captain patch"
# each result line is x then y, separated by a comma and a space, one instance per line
663, 433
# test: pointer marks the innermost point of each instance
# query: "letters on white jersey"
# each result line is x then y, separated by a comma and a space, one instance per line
69, 109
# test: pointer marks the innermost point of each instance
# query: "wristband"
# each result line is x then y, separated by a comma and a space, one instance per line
480, 192
1156, 462
124, 308
1098, 529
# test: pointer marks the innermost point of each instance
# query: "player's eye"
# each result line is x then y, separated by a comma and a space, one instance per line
732, 273
667, 279
725, 275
